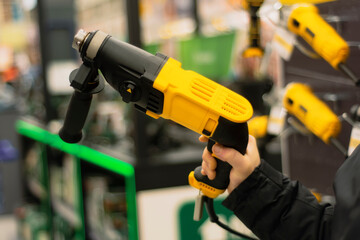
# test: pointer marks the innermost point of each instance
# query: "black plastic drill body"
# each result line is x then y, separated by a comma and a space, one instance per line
130, 71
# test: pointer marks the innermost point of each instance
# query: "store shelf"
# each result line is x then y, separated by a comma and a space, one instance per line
67, 166
67, 212
37, 189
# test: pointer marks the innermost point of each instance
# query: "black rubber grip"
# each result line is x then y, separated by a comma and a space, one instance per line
229, 134
221, 180
78, 109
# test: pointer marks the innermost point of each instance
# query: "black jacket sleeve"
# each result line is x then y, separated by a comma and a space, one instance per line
275, 208
346, 223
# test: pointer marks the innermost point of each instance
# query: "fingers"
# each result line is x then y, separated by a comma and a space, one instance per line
235, 158
252, 146
242, 165
202, 138
252, 152
208, 165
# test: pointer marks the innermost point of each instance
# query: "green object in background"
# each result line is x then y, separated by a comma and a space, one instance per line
204, 229
35, 225
152, 48
83, 153
209, 56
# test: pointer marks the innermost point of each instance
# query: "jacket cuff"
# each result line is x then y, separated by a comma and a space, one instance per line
261, 176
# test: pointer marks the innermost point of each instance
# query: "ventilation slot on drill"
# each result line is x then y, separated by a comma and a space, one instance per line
234, 106
154, 103
202, 90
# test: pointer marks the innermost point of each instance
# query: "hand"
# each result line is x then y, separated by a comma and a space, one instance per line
243, 165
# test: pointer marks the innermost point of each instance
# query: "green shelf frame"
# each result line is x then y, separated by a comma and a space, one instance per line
92, 156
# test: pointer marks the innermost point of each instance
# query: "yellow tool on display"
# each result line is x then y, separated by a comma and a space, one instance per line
254, 49
159, 87
305, 21
300, 101
258, 126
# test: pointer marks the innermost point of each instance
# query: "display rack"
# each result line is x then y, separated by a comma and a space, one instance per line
61, 187
317, 170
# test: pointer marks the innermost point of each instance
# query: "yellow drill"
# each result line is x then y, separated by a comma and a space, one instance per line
300, 101
304, 20
159, 87
254, 49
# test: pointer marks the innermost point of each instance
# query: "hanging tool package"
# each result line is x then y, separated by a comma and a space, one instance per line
159, 87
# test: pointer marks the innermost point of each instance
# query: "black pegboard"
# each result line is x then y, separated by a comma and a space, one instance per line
308, 159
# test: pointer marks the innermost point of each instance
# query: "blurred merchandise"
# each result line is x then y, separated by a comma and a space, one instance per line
354, 139
218, 16
62, 181
108, 123
33, 223
106, 210
107, 15
14, 34
258, 126
62, 229
7, 151
166, 19
79, 191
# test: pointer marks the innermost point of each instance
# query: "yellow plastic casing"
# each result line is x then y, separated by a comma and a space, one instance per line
305, 21
244, 4
253, 52
197, 102
258, 126
300, 102
207, 190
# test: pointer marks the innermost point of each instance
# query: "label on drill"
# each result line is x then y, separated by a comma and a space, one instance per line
276, 120
354, 139
283, 42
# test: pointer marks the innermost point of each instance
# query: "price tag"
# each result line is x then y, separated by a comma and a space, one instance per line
276, 120
354, 139
284, 42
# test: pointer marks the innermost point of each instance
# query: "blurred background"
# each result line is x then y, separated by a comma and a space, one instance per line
47, 193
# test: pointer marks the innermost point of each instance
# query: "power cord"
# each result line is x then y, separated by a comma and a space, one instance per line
209, 205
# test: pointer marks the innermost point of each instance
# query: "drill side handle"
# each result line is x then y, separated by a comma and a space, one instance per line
86, 82
76, 115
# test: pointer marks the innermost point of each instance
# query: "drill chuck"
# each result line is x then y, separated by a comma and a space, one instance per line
79, 39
